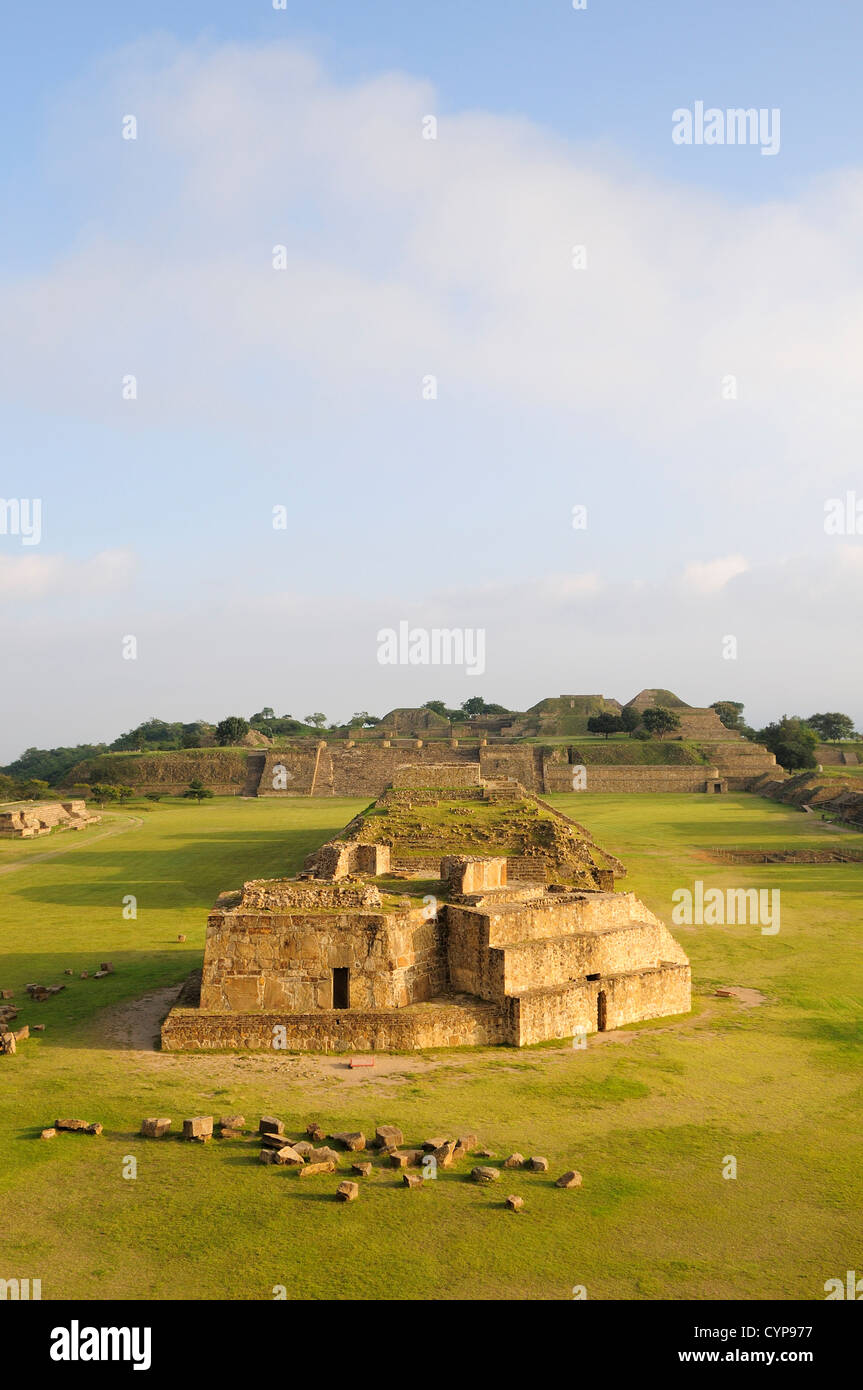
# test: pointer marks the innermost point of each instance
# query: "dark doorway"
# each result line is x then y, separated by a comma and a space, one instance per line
601, 1011
341, 987
717, 786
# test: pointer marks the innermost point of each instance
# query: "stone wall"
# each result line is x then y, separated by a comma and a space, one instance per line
292, 895
222, 770
468, 1023
626, 777
446, 775
338, 859
521, 761
507, 948
467, 873
289, 771
260, 961
561, 1011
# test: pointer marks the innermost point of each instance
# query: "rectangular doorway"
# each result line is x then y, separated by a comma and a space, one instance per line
601, 1011
341, 987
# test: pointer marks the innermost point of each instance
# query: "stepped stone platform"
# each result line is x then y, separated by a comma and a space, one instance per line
345, 958
27, 820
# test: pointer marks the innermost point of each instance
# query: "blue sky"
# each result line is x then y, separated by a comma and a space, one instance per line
406, 257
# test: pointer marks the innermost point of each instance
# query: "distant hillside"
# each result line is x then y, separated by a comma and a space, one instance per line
222, 770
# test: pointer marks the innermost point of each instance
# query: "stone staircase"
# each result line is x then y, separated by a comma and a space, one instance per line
503, 789
739, 764
255, 763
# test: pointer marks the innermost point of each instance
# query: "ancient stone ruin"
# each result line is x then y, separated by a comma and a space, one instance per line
441, 917
25, 821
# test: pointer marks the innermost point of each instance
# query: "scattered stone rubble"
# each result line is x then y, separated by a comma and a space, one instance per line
310, 1159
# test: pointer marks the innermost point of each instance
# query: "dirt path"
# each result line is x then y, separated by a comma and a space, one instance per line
136, 1025
132, 823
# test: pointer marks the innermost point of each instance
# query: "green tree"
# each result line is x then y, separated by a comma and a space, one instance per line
104, 791
437, 707
832, 728
791, 741
197, 791
605, 724
50, 764
317, 721
660, 721
229, 731
730, 712
474, 706
630, 719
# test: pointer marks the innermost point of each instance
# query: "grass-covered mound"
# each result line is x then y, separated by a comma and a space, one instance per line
424, 828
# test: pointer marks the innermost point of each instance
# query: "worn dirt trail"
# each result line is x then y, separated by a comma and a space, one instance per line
133, 823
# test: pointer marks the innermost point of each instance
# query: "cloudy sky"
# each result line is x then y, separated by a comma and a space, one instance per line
419, 355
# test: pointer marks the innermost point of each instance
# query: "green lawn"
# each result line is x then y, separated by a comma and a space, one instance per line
648, 1122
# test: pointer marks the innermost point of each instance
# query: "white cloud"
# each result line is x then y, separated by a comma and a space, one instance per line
37, 576
713, 575
408, 256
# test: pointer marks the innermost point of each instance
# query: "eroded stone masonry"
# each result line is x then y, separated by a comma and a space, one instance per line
446, 916
27, 820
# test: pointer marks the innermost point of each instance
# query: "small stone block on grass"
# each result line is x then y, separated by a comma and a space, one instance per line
389, 1137
272, 1141
154, 1128
310, 1170
288, 1156
348, 1191
570, 1179
353, 1140
270, 1125
538, 1165
515, 1203
199, 1128
444, 1155
485, 1175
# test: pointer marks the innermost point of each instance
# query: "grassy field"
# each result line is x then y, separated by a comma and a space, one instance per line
648, 1115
